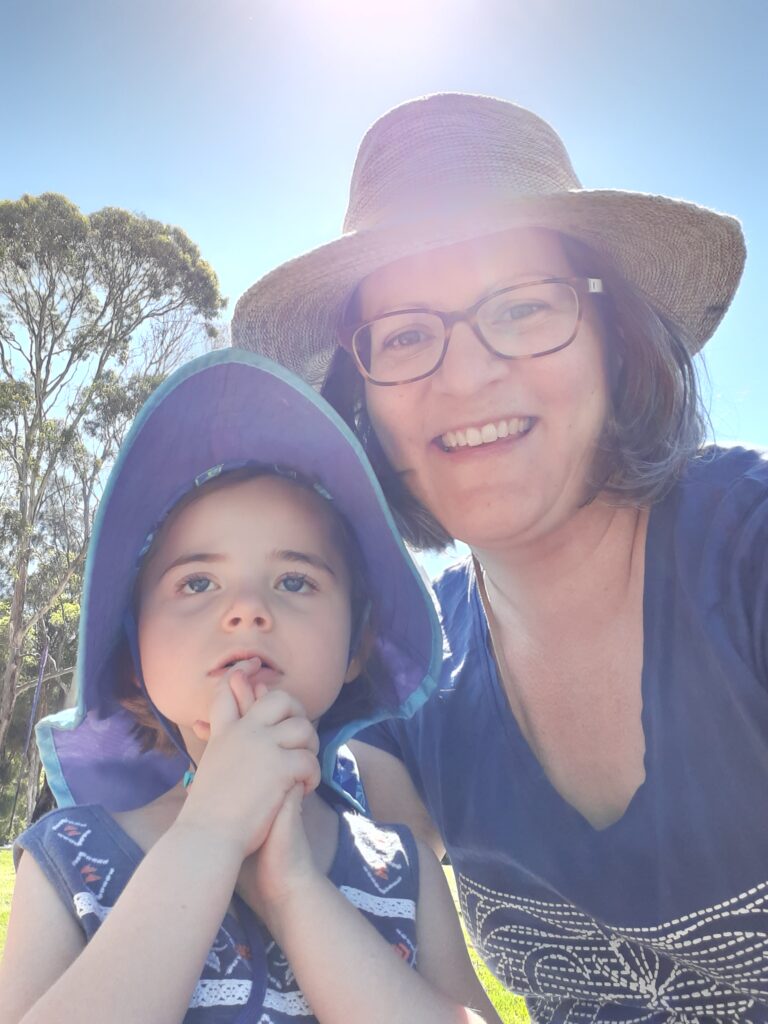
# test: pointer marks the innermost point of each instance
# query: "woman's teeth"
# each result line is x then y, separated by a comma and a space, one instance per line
473, 437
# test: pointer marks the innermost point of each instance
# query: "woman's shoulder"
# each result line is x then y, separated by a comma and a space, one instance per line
710, 536
454, 588
719, 469
723, 491
456, 577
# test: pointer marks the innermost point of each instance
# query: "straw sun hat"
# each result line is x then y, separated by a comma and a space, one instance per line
453, 166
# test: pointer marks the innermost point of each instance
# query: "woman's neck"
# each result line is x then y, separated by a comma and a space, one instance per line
585, 565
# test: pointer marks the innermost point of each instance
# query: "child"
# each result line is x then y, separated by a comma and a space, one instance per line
198, 868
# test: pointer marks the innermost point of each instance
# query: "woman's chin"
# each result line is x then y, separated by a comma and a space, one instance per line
486, 529
504, 522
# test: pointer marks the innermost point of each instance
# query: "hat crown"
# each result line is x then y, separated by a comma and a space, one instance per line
451, 151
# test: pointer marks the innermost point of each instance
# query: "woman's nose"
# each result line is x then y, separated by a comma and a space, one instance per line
246, 610
468, 366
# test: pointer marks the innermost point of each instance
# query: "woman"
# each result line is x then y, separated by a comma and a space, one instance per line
515, 353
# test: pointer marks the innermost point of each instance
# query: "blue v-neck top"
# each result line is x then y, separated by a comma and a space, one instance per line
663, 916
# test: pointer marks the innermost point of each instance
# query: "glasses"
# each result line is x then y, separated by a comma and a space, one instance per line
523, 322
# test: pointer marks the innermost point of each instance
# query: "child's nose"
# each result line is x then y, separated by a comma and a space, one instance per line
247, 610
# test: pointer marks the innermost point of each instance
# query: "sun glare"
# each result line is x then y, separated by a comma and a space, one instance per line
381, 35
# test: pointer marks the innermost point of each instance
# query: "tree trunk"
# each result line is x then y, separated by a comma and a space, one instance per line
33, 779
8, 696
15, 644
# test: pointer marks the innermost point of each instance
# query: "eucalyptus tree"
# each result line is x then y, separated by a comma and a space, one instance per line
94, 309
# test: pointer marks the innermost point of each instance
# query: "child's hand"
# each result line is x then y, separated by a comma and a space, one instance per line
242, 680
260, 746
283, 864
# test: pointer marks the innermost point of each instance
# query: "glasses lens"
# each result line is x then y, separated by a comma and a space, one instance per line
529, 319
401, 346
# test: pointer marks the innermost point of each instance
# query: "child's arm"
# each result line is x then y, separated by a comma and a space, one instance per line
41, 943
443, 959
145, 959
344, 967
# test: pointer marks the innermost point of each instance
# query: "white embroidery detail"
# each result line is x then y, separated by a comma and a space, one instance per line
77, 840
292, 1004
212, 961
381, 906
407, 944
711, 963
86, 903
215, 992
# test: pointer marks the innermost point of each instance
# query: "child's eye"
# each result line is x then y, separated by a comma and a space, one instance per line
296, 583
195, 585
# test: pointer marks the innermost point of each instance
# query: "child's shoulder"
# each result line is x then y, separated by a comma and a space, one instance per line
70, 827
377, 870
384, 856
76, 844
86, 857
368, 834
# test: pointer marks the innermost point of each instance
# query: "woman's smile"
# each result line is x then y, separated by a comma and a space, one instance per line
485, 434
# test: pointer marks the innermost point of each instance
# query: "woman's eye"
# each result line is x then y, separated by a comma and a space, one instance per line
296, 583
406, 339
196, 585
520, 310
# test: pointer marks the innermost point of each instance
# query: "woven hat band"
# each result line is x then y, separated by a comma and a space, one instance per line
421, 164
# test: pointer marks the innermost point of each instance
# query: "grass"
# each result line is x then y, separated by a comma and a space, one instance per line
511, 1008
6, 891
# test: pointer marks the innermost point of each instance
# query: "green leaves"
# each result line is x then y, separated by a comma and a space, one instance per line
15, 397
94, 310
115, 400
85, 283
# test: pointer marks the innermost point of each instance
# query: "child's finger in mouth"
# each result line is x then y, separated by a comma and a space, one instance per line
248, 665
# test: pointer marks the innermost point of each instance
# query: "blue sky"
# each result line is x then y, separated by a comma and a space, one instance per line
239, 119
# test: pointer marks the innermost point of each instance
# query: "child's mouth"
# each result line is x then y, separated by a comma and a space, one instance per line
251, 663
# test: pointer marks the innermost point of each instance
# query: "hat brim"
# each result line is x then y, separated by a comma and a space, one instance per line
685, 260
225, 407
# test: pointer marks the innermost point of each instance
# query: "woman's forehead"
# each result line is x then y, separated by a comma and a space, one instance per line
457, 273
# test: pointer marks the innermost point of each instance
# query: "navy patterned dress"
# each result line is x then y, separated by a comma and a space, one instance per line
88, 858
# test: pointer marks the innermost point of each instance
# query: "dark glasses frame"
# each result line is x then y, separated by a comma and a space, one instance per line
583, 285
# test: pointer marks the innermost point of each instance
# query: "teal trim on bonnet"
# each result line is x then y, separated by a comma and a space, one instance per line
346, 732
67, 719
